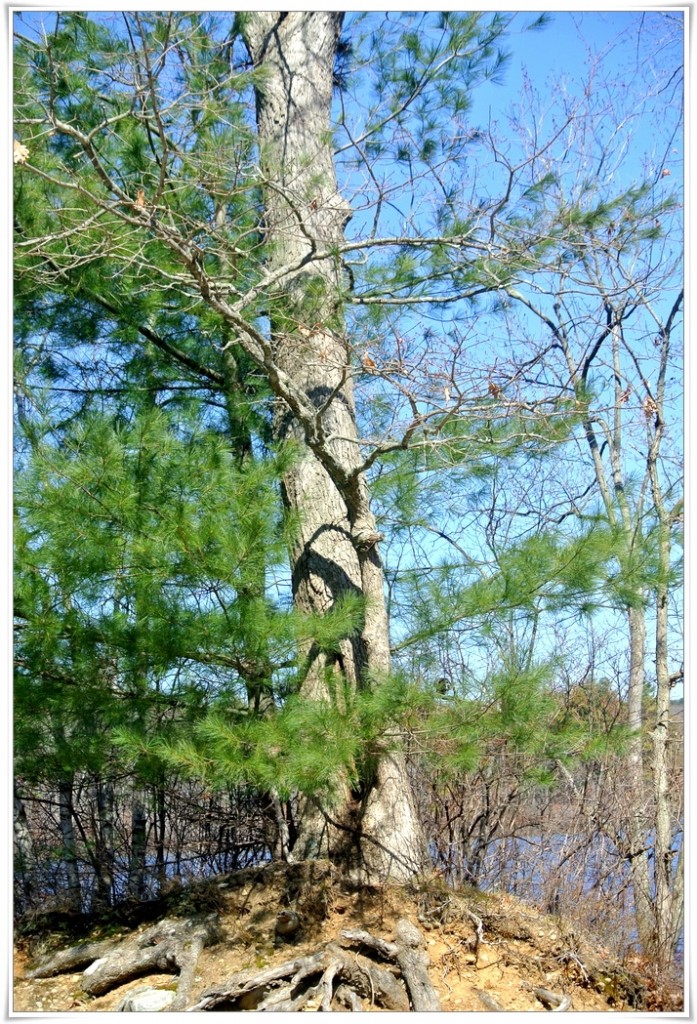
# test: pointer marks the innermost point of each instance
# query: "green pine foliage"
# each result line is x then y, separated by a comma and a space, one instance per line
142, 627
205, 110
150, 535
140, 549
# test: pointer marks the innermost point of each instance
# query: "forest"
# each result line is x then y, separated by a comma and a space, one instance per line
348, 464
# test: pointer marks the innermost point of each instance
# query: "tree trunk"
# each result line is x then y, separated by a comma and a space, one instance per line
335, 553
668, 882
104, 866
663, 855
136, 863
638, 824
160, 833
69, 852
24, 865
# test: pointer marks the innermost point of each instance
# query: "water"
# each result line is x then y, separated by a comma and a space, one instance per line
569, 875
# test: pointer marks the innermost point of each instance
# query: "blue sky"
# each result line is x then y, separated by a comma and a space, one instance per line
558, 58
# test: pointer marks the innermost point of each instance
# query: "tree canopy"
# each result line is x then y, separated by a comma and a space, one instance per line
348, 418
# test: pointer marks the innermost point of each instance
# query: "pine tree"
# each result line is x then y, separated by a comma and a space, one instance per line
209, 216
140, 548
211, 190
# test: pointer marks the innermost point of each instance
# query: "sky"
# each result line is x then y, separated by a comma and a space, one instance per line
554, 58
550, 55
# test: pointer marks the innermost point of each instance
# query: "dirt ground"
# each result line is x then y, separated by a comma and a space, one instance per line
519, 949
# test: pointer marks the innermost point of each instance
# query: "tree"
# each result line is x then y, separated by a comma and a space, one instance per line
231, 247
139, 550
142, 168
646, 569
608, 298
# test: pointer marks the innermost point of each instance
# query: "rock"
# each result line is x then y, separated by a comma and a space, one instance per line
287, 924
146, 1000
94, 966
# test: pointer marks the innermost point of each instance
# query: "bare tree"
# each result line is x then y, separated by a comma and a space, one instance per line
609, 305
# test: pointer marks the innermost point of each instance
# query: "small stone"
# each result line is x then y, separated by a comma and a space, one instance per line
146, 1000
484, 957
287, 924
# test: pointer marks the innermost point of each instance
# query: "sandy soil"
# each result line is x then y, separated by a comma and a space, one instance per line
522, 948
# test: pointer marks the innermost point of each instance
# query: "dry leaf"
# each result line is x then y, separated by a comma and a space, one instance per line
624, 397
140, 199
649, 406
20, 152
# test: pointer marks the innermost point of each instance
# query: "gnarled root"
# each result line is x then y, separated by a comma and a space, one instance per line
170, 947
336, 977
73, 959
553, 1001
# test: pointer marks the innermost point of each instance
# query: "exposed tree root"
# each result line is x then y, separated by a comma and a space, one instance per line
359, 971
488, 1001
552, 1001
414, 961
73, 959
170, 947
337, 977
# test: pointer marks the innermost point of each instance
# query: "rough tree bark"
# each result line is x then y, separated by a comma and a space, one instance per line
104, 831
68, 853
23, 847
336, 549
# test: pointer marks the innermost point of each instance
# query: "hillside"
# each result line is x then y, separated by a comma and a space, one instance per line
352, 949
